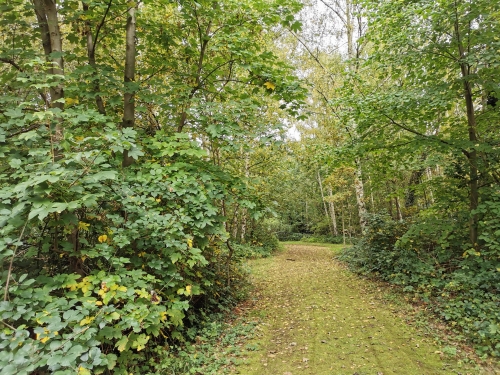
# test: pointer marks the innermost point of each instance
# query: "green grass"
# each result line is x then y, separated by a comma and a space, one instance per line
318, 318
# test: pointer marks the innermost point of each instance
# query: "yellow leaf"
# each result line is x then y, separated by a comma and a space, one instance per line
98, 303
122, 288
270, 85
83, 371
190, 242
83, 226
86, 287
163, 316
70, 101
142, 293
188, 290
45, 339
87, 320
102, 238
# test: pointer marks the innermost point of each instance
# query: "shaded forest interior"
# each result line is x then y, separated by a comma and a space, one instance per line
149, 148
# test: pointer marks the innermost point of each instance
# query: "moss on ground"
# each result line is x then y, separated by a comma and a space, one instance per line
318, 318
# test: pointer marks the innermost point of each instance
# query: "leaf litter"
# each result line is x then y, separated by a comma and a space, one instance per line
318, 318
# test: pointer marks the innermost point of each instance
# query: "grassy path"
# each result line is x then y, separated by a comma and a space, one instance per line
319, 319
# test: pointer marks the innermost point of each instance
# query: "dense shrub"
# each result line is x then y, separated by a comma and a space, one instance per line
305, 237
263, 236
322, 239
287, 236
102, 267
428, 258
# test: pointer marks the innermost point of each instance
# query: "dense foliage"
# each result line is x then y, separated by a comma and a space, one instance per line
416, 254
144, 156
116, 198
401, 149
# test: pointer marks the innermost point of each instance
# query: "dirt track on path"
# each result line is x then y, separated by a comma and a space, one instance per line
319, 318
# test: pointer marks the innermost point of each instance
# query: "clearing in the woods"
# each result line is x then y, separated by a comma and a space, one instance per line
319, 318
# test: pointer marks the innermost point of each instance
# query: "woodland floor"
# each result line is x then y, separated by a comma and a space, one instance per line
318, 318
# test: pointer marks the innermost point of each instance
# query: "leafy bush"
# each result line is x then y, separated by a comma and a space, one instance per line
322, 227
263, 236
286, 236
322, 239
104, 266
213, 349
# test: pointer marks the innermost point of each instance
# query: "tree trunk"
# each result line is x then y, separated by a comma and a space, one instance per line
472, 154
343, 223
398, 208
324, 202
372, 200
349, 225
48, 23
129, 95
349, 30
360, 196
389, 200
332, 212
307, 215
91, 45
56, 50
244, 212
429, 177
412, 184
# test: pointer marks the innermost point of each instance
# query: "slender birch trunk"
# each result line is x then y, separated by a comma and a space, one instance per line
332, 212
398, 208
244, 212
360, 196
343, 223
429, 177
324, 202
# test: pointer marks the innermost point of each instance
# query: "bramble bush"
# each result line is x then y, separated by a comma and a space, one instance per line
429, 258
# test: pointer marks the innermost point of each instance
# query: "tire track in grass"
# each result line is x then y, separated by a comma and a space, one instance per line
318, 318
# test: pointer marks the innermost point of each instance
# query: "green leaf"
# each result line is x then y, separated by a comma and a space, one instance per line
122, 343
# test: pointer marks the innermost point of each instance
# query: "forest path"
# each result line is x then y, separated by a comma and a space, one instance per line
319, 318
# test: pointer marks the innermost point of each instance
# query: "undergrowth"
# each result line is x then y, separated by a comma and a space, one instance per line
214, 348
429, 261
